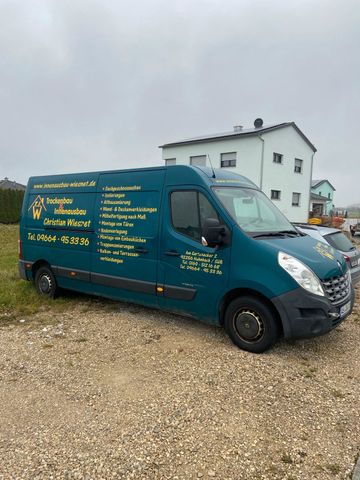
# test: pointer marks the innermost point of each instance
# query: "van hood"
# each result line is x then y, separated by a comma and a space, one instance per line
323, 259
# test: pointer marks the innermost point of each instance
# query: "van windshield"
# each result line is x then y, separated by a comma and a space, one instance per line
253, 211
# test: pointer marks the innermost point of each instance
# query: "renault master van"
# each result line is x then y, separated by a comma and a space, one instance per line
201, 242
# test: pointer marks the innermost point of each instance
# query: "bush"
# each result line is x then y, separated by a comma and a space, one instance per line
10, 205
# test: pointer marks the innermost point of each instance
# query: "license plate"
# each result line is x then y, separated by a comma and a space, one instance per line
345, 309
355, 263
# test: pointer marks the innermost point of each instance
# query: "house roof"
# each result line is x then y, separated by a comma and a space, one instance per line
316, 183
10, 184
321, 198
244, 132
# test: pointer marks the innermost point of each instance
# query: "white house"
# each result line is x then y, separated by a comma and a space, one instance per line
278, 158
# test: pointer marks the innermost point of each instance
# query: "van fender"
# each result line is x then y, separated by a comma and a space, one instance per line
254, 292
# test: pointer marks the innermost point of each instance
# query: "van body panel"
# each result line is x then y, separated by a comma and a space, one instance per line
113, 234
323, 259
254, 265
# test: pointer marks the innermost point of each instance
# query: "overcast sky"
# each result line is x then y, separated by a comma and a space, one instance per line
89, 85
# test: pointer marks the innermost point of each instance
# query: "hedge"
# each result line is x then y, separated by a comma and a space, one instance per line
10, 205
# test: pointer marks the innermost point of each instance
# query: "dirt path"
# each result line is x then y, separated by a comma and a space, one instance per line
118, 391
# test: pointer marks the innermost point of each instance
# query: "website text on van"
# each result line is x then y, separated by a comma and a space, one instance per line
191, 240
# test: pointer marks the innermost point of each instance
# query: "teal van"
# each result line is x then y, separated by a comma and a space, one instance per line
201, 242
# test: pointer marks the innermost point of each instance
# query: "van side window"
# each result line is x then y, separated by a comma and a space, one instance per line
189, 209
206, 210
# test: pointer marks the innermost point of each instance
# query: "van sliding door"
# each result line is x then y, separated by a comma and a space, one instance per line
124, 263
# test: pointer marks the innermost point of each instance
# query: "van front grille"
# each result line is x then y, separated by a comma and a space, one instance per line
337, 288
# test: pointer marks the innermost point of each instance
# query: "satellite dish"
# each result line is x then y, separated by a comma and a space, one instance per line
258, 123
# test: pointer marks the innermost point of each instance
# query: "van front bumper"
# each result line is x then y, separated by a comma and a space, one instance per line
305, 315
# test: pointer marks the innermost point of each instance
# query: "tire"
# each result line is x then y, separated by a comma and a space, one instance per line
251, 324
45, 282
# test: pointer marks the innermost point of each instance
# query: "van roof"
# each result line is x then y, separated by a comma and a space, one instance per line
222, 177
219, 177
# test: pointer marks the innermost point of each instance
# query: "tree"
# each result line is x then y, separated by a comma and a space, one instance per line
10, 205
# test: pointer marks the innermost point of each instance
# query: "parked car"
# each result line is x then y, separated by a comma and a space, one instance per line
337, 239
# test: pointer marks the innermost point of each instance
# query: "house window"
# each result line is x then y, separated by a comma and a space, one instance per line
319, 193
170, 161
298, 165
275, 194
228, 159
198, 160
277, 158
329, 196
295, 199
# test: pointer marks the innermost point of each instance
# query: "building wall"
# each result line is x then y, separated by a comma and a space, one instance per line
248, 155
285, 141
291, 145
325, 190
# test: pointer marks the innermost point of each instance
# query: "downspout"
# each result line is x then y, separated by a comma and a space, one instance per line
262, 161
311, 175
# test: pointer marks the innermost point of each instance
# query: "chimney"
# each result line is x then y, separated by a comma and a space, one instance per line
238, 128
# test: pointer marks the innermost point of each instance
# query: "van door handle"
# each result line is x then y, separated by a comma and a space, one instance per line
173, 253
141, 250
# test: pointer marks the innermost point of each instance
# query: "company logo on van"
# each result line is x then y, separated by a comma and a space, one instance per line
37, 207
325, 250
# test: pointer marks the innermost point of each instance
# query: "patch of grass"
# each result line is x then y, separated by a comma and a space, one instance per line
309, 372
18, 297
273, 469
286, 458
81, 340
334, 468
74, 352
338, 393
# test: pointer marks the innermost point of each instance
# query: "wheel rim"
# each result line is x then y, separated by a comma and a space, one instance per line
45, 284
249, 325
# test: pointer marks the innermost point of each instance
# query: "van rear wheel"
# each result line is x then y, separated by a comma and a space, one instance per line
45, 282
251, 324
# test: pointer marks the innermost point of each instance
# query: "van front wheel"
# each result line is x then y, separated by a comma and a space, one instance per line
45, 282
251, 324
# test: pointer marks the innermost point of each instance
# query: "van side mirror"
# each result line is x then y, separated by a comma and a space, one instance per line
214, 233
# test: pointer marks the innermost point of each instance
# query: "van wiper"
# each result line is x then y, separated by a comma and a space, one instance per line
292, 232
280, 233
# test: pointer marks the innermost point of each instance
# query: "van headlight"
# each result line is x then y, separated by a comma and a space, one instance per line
301, 273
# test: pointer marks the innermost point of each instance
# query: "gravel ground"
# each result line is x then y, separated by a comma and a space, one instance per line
109, 390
